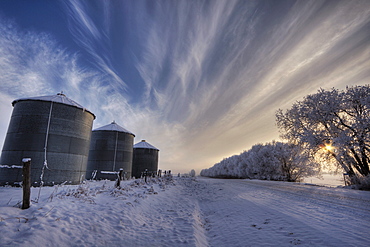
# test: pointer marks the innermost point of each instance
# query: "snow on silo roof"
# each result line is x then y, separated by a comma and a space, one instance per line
58, 98
144, 144
113, 127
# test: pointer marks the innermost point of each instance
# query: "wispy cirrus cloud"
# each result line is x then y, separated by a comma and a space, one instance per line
200, 80
92, 33
224, 69
33, 64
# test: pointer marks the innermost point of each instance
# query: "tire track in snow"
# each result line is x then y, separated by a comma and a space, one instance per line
171, 217
199, 222
164, 220
199, 228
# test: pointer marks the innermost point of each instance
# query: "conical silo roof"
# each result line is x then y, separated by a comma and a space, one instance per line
145, 144
113, 126
58, 98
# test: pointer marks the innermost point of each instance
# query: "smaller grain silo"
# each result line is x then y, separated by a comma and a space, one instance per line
145, 158
111, 150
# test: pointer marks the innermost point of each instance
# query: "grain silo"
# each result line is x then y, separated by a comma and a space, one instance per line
54, 131
145, 158
110, 150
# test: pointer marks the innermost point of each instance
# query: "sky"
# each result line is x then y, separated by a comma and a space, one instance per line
199, 80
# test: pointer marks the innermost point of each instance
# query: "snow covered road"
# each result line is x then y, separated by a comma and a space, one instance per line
187, 212
266, 213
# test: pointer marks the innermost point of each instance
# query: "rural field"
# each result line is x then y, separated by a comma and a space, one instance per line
186, 212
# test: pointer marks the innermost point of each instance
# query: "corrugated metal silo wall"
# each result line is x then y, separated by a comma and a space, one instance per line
68, 142
144, 158
103, 151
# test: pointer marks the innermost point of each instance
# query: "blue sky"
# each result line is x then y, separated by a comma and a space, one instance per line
200, 80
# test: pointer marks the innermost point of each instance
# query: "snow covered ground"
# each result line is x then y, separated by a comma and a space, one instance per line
328, 180
187, 212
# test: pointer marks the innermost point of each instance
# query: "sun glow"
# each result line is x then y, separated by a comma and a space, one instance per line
328, 148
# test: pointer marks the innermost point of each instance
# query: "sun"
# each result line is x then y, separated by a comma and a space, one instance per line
328, 148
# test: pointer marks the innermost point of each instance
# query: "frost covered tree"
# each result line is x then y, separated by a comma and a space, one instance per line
333, 122
280, 161
263, 163
295, 163
270, 161
192, 173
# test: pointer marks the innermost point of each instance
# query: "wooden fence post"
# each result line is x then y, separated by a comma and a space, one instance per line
118, 183
26, 183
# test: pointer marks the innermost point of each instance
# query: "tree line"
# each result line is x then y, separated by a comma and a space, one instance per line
328, 127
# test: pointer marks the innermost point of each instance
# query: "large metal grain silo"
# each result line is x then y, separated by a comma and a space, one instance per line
54, 131
111, 150
145, 158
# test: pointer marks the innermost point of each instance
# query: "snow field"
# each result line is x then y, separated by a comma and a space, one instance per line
97, 214
186, 212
